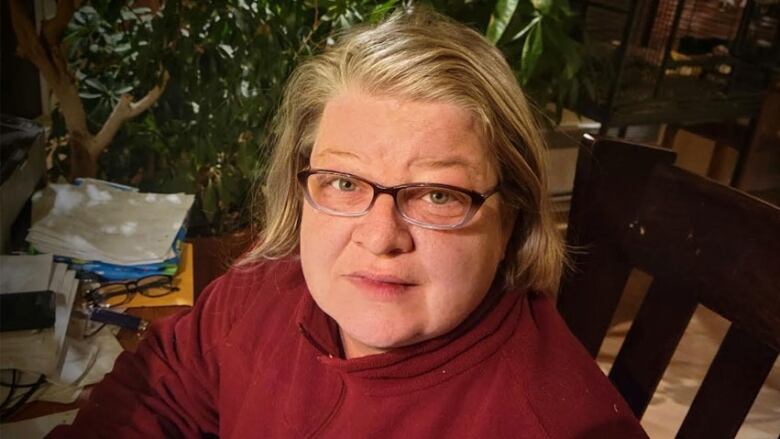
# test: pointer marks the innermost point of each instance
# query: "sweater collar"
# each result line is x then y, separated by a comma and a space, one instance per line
422, 364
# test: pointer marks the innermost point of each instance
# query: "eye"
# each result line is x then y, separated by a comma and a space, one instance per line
344, 184
438, 197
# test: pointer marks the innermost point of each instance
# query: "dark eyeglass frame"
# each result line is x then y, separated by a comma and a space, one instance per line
130, 289
477, 198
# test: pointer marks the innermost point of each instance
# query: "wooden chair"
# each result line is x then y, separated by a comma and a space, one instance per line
703, 243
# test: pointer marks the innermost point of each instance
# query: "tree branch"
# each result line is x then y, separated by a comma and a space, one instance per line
151, 97
51, 32
45, 53
29, 46
124, 110
52, 29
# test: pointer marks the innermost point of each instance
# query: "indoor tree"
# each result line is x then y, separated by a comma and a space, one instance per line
45, 49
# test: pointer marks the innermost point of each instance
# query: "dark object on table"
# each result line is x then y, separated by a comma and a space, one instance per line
703, 243
31, 310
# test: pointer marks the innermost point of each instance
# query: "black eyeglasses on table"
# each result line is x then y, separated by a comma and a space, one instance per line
113, 294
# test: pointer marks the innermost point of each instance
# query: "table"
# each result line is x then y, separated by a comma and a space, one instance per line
129, 341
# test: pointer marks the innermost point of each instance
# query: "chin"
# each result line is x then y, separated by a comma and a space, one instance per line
382, 338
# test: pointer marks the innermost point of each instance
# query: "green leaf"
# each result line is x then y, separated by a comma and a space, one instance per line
528, 28
123, 90
246, 159
502, 15
227, 50
127, 14
230, 190
122, 48
568, 49
380, 10
543, 6
96, 84
532, 52
210, 201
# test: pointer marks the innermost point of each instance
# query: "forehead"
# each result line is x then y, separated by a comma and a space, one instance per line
400, 134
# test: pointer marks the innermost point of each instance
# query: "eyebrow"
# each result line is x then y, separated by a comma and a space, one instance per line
339, 153
429, 163
455, 162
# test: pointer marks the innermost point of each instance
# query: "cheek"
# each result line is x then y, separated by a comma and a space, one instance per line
460, 266
319, 249
321, 240
461, 270
463, 260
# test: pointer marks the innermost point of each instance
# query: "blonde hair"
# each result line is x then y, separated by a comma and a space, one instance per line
419, 55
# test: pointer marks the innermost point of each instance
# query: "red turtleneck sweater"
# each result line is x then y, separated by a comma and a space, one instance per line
256, 357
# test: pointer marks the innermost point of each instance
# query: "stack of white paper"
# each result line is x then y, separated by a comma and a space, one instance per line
68, 362
39, 351
97, 222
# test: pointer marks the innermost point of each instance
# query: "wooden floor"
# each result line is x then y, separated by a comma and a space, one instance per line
687, 369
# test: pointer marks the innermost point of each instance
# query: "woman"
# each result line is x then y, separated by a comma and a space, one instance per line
399, 286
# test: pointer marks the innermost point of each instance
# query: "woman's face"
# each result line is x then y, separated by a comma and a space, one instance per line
385, 282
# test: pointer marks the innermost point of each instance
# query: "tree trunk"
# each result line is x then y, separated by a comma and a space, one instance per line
82, 164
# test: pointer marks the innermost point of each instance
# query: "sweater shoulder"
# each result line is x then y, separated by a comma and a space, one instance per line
559, 376
254, 288
269, 276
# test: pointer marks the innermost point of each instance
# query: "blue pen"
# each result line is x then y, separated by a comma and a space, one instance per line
103, 315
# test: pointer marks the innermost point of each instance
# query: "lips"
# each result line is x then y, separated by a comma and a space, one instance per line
381, 286
380, 278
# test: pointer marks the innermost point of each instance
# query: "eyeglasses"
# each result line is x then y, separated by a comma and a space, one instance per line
112, 294
433, 206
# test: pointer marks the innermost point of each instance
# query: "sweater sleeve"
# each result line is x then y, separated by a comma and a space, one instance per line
170, 386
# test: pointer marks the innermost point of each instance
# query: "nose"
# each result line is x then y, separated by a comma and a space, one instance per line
382, 231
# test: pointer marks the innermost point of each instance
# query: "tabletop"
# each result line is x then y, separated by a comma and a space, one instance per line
129, 341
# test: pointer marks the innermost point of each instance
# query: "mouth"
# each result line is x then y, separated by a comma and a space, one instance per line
381, 285
380, 278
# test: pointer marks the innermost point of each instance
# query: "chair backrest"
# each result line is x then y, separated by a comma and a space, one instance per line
703, 243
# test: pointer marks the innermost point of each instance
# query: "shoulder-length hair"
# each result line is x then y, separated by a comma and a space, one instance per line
419, 55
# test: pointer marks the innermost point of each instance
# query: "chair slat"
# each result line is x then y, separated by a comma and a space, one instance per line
602, 202
601, 280
730, 387
722, 241
650, 343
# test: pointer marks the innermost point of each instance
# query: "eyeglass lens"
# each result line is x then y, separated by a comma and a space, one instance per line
430, 204
154, 286
112, 294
